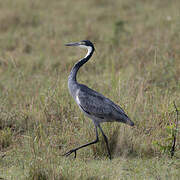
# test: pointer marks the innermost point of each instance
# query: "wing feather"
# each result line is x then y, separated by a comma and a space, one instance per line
98, 106
93, 103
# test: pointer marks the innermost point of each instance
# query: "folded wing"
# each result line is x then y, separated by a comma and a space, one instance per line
97, 105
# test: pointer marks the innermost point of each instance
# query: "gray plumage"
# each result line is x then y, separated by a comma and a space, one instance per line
93, 104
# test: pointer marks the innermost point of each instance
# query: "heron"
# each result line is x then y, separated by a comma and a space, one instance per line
93, 104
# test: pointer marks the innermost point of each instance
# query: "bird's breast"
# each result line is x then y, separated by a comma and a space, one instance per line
77, 99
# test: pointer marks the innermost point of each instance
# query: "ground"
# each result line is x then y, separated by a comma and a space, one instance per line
136, 64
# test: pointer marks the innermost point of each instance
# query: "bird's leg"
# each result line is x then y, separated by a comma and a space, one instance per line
106, 141
75, 149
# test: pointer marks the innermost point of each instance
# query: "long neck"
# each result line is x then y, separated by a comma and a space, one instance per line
72, 76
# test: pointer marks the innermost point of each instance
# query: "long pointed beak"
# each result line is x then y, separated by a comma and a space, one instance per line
72, 44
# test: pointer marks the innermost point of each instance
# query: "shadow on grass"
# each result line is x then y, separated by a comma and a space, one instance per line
124, 145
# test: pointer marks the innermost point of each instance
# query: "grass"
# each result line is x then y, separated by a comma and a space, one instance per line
136, 64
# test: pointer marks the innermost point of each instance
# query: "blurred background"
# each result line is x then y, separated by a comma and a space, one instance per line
136, 64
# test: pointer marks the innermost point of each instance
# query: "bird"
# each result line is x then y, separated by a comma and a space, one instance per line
93, 104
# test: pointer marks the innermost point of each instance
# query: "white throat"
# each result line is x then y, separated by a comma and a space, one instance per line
89, 48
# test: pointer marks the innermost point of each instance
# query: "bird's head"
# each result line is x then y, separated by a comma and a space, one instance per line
83, 44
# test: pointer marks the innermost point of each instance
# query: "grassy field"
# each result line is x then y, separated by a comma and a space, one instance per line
136, 64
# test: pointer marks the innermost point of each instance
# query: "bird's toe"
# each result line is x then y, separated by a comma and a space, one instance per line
70, 152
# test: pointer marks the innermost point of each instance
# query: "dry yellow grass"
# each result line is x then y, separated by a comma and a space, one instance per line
136, 64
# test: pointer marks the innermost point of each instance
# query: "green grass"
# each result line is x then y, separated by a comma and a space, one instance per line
136, 64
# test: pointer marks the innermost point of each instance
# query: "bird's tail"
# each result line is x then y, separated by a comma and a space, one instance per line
125, 119
129, 122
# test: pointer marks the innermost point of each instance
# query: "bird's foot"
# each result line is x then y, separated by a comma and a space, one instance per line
70, 152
